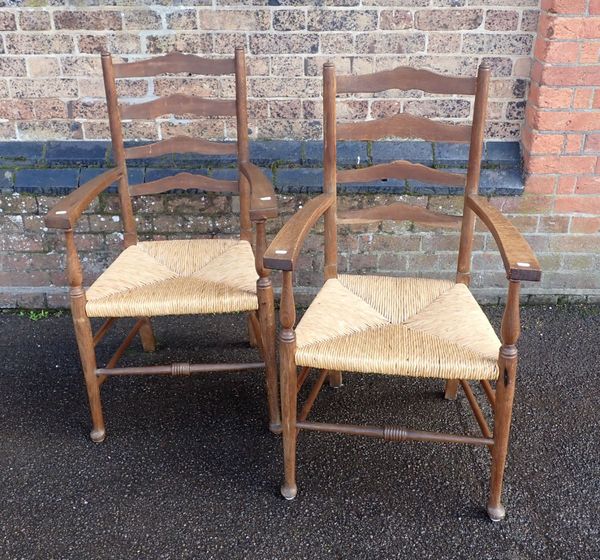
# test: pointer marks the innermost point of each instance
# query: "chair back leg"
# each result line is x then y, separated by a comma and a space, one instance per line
147, 335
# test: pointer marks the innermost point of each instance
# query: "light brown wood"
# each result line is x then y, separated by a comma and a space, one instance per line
180, 145
489, 392
302, 377
312, 395
329, 170
485, 429
284, 249
174, 63
263, 200
178, 104
147, 335
178, 369
183, 180
288, 380
399, 211
114, 360
116, 136
401, 170
404, 126
405, 78
104, 328
519, 260
84, 337
505, 390
451, 389
463, 268
65, 213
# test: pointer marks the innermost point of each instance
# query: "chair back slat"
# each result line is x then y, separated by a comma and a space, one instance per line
174, 63
406, 78
183, 181
179, 104
401, 170
180, 145
399, 211
404, 126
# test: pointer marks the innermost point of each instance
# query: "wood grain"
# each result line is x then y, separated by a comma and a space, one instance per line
519, 260
179, 104
65, 213
184, 181
263, 200
180, 145
406, 78
173, 63
404, 126
399, 211
401, 170
283, 250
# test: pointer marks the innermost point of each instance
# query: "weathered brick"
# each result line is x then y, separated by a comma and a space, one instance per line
100, 20
390, 43
34, 43
142, 19
444, 19
501, 20
182, 19
285, 44
59, 87
43, 66
13, 66
494, 43
341, 20
289, 20
34, 20
395, 19
444, 42
184, 42
244, 20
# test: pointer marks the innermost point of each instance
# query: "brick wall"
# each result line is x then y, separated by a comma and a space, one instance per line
50, 82
50, 88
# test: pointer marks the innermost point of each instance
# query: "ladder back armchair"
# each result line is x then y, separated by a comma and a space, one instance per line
180, 276
420, 327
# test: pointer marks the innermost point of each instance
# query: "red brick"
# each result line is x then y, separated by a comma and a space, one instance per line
595, 7
566, 184
553, 224
573, 143
540, 184
580, 224
561, 164
564, 120
589, 52
578, 204
556, 53
596, 103
564, 6
587, 27
592, 143
588, 185
550, 97
582, 98
536, 143
576, 76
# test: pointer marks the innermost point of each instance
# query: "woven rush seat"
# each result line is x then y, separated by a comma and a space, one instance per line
417, 327
179, 277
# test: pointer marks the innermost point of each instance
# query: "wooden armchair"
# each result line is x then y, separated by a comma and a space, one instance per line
174, 277
401, 326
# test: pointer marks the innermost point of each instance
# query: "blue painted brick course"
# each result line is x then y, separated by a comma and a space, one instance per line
49, 181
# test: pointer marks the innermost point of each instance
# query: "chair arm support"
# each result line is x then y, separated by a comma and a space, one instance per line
66, 212
519, 259
263, 200
283, 250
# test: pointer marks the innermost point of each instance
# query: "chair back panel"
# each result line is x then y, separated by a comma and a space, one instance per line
406, 78
404, 126
173, 63
179, 105
403, 170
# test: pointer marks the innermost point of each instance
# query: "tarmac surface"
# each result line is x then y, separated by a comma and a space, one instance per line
190, 470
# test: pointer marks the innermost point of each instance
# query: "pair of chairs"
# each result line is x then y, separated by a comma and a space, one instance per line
389, 325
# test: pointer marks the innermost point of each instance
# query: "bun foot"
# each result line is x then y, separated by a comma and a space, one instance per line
496, 513
289, 491
98, 436
275, 428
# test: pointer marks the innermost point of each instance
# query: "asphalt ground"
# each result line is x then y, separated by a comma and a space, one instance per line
190, 470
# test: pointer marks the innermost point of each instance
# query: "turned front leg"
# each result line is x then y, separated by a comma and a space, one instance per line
287, 364
505, 390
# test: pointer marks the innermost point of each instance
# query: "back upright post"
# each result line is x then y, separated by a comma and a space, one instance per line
463, 274
330, 184
116, 135
329, 168
242, 142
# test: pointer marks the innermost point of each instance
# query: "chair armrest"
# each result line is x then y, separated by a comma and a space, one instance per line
66, 212
519, 259
283, 250
263, 200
